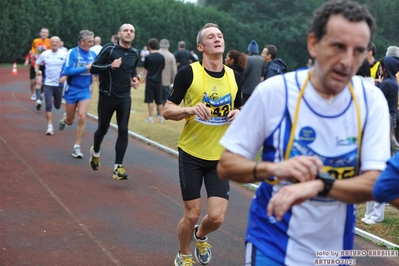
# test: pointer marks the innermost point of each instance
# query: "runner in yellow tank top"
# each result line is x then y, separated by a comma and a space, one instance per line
211, 95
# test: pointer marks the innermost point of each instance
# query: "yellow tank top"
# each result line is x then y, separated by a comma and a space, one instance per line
201, 138
374, 69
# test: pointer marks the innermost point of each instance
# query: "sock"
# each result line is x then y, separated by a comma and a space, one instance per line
116, 165
97, 154
195, 233
38, 94
76, 146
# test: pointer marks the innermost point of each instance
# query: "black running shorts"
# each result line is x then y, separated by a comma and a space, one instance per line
193, 171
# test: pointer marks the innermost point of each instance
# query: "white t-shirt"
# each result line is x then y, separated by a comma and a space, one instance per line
96, 48
54, 62
324, 129
143, 54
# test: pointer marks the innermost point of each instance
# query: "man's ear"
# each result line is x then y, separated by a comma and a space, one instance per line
200, 48
312, 43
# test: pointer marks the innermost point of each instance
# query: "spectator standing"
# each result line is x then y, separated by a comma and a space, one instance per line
253, 71
169, 72
183, 56
274, 66
389, 66
117, 68
387, 82
374, 64
143, 54
374, 210
77, 92
54, 60
236, 61
394, 51
154, 65
297, 209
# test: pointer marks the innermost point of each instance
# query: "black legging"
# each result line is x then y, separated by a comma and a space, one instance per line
106, 107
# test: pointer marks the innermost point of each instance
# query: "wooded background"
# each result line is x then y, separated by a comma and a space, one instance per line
280, 22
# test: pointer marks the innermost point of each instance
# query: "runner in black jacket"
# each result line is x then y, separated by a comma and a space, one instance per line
116, 65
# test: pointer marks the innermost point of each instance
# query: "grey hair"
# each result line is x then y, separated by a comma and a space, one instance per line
83, 34
393, 50
207, 25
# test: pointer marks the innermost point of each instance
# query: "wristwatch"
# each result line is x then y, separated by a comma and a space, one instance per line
328, 181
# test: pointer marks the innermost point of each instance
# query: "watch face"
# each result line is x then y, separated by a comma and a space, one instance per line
322, 175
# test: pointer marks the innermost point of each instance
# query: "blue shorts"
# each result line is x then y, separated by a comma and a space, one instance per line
74, 95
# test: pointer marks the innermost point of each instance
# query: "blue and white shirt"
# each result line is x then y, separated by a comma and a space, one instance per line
328, 130
76, 67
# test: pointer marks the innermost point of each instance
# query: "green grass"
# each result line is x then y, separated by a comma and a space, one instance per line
388, 229
10, 65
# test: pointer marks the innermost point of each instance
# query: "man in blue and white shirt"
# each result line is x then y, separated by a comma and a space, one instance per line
77, 92
308, 123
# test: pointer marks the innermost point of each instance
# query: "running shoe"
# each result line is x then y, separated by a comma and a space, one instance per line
77, 153
33, 97
364, 219
50, 130
149, 120
61, 124
94, 160
184, 260
202, 252
120, 173
38, 104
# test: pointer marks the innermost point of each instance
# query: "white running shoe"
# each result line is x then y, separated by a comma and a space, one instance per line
50, 130
33, 97
38, 104
149, 120
77, 153
364, 219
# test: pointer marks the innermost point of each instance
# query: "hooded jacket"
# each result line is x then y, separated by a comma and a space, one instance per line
275, 67
389, 85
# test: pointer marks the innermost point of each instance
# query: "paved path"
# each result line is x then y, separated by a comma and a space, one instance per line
54, 210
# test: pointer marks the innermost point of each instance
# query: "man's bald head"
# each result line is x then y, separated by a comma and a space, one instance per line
55, 42
97, 40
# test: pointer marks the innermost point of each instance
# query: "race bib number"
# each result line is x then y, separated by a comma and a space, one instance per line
340, 172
